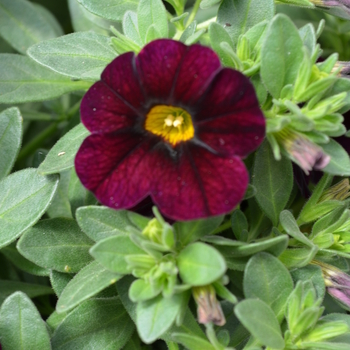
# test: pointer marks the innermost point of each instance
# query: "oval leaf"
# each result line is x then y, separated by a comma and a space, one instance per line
57, 244
62, 154
98, 323
200, 264
79, 55
21, 326
87, 282
261, 322
24, 197
10, 139
273, 181
154, 317
266, 278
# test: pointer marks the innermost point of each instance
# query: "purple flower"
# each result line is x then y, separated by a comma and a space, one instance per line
172, 124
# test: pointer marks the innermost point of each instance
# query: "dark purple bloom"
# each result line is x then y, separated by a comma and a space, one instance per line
172, 124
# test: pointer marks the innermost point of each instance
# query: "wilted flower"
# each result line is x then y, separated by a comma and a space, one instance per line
337, 283
342, 67
305, 153
345, 4
209, 309
172, 124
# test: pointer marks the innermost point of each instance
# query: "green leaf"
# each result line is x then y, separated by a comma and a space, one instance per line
57, 244
290, 225
87, 282
200, 264
62, 154
78, 195
298, 257
123, 286
190, 231
261, 322
21, 326
152, 13
141, 291
23, 80
154, 317
311, 273
102, 222
130, 27
24, 197
239, 223
83, 20
218, 35
10, 138
238, 16
232, 248
266, 278
191, 341
21, 262
273, 181
32, 290
60, 206
340, 162
96, 323
79, 55
111, 252
55, 319
112, 10
23, 24
59, 280
281, 55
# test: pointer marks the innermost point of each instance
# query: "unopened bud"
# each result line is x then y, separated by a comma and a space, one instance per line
339, 191
337, 283
343, 4
305, 153
342, 68
153, 231
209, 309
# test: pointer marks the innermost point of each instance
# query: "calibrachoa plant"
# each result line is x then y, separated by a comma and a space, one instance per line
174, 174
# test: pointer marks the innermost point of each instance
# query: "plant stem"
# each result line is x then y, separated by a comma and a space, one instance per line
212, 336
172, 346
205, 25
223, 227
37, 141
193, 13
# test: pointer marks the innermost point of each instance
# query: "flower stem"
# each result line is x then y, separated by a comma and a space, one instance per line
172, 346
212, 337
193, 13
205, 25
226, 225
37, 141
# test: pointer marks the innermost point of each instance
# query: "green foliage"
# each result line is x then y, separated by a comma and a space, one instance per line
25, 195
21, 326
57, 244
23, 80
80, 56
23, 24
10, 138
124, 280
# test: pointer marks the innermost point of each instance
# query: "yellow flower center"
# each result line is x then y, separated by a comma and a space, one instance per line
173, 124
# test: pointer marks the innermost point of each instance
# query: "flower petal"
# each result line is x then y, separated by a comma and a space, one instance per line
157, 64
102, 111
235, 134
111, 166
229, 119
229, 93
198, 184
121, 77
198, 67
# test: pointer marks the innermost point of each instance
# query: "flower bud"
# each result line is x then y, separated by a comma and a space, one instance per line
153, 231
337, 283
344, 4
209, 309
342, 68
339, 191
305, 153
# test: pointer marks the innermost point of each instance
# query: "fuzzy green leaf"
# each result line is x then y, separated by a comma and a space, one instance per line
21, 326
24, 197
57, 244
10, 139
